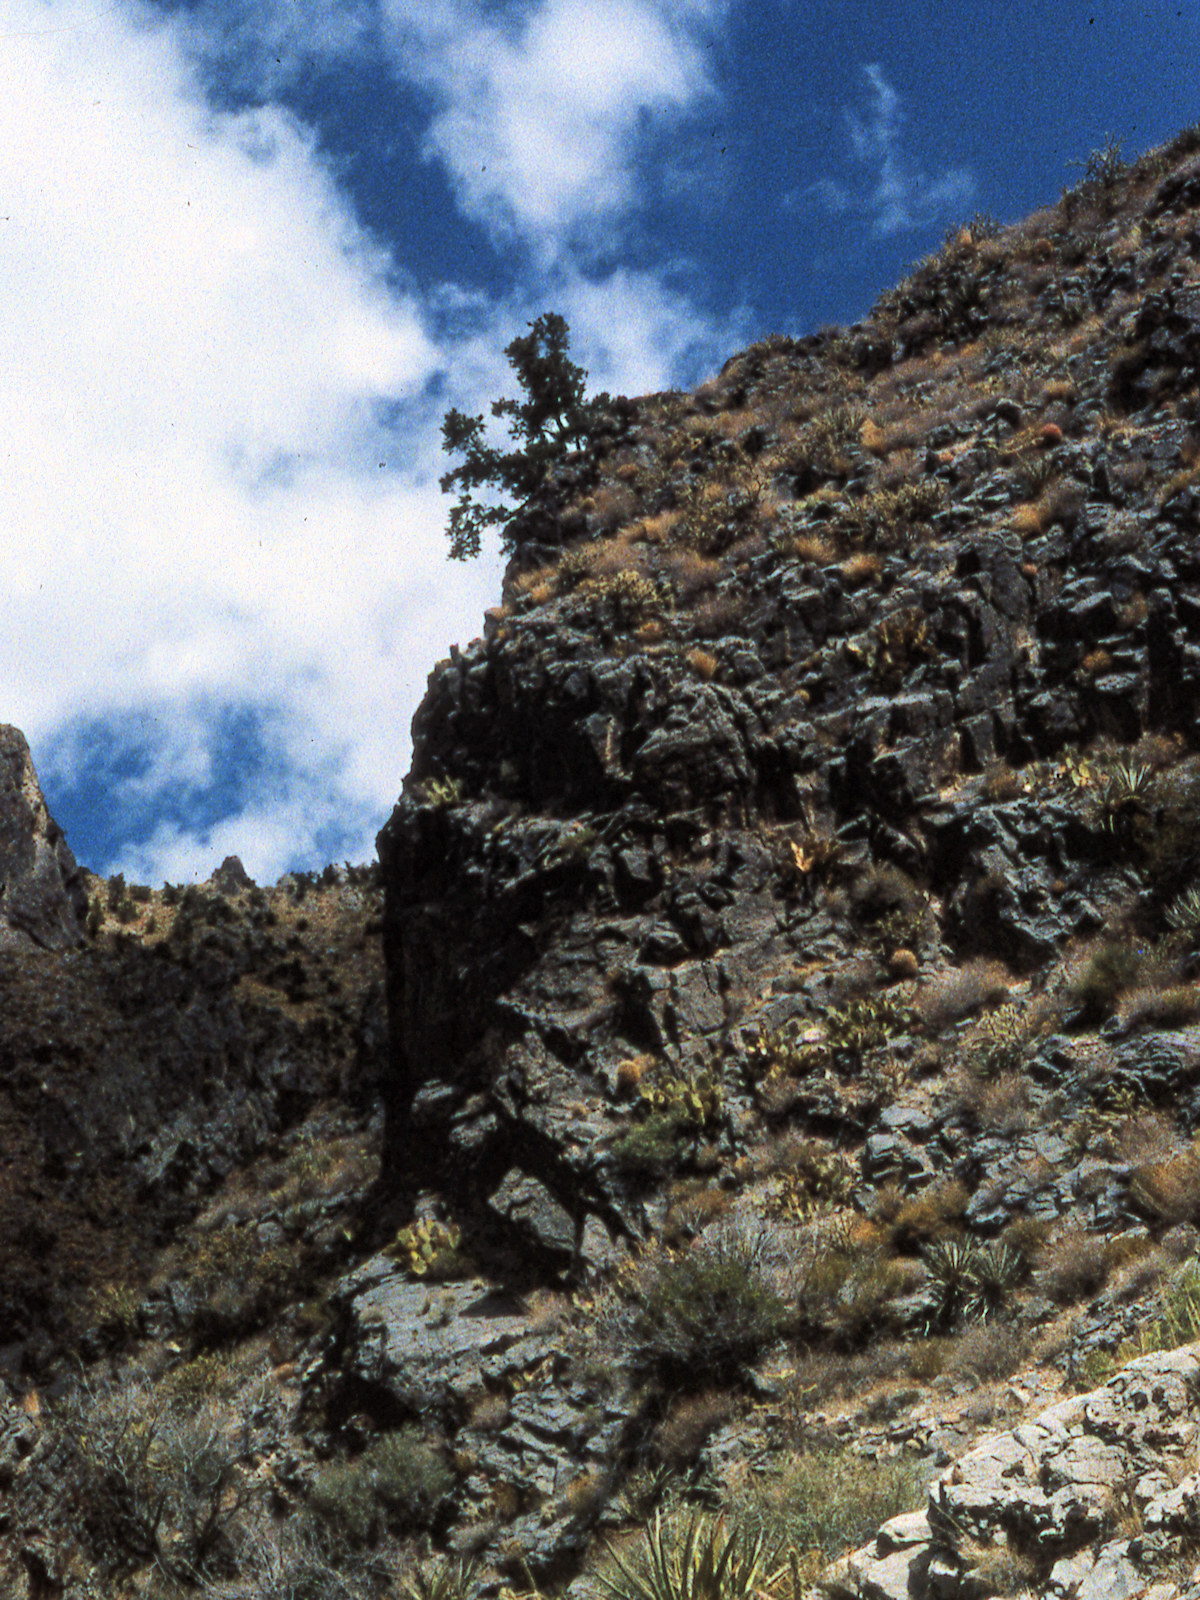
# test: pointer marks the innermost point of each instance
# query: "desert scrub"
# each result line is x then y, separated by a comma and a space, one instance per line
693, 1102
821, 1503
1112, 968
970, 1280
651, 1149
145, 1480
996, 1043
705, 1310
399, 1480
674, 1114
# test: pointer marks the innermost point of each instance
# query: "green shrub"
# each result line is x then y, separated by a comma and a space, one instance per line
707, 1310
996, 1043
430, 1249
652, 1148
399, 1479
861, 1025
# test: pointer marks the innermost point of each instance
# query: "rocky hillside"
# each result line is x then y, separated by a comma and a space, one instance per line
782, 1165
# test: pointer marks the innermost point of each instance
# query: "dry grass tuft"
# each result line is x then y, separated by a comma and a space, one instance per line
865, 566
958, 991
703, 663
688, 1425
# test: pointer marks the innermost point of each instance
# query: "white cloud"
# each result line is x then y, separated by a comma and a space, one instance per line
202, 354
195, 339
899, 196
540, 112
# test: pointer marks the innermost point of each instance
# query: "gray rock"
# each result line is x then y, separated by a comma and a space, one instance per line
425, 1344
528, 1206
42, 897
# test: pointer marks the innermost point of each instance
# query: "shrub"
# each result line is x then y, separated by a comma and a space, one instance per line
934, 1214
1112, 968
684, 1431
709, 1309
1168, 1190
1075, 1264
863, 1024
996, 1043
956, 992
147, 1480
652, 1148
400, 1478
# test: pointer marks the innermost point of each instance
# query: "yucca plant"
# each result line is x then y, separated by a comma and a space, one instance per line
1124, 794
1183, 915
701, 1562
949, 1263
995, 1269
440, 1578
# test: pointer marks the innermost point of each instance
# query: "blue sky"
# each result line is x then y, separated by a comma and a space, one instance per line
256, 248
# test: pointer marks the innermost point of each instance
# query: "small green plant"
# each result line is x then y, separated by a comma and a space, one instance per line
114, 1311
1183, 916
818, 1179
1121, 798
651, 1148
1105, 167
627, 597
887, 518
443, 792
821, 1503
691, 1102
970, 1280
1178, 1323
700, 1561
440, 1578
996, 1043
794, 1050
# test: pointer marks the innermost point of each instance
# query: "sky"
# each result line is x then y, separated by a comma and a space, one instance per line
254, 250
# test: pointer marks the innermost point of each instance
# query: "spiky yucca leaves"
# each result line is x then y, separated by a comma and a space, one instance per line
440, 1578
703, 1562
1183, 915
971, 1280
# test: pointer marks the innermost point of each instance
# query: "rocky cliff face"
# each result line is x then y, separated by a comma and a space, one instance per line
619, 809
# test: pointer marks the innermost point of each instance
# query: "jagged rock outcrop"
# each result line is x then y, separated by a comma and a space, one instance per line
42, 897
1095, 1498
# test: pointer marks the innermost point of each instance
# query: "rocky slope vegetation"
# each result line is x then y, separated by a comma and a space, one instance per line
790, 1101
